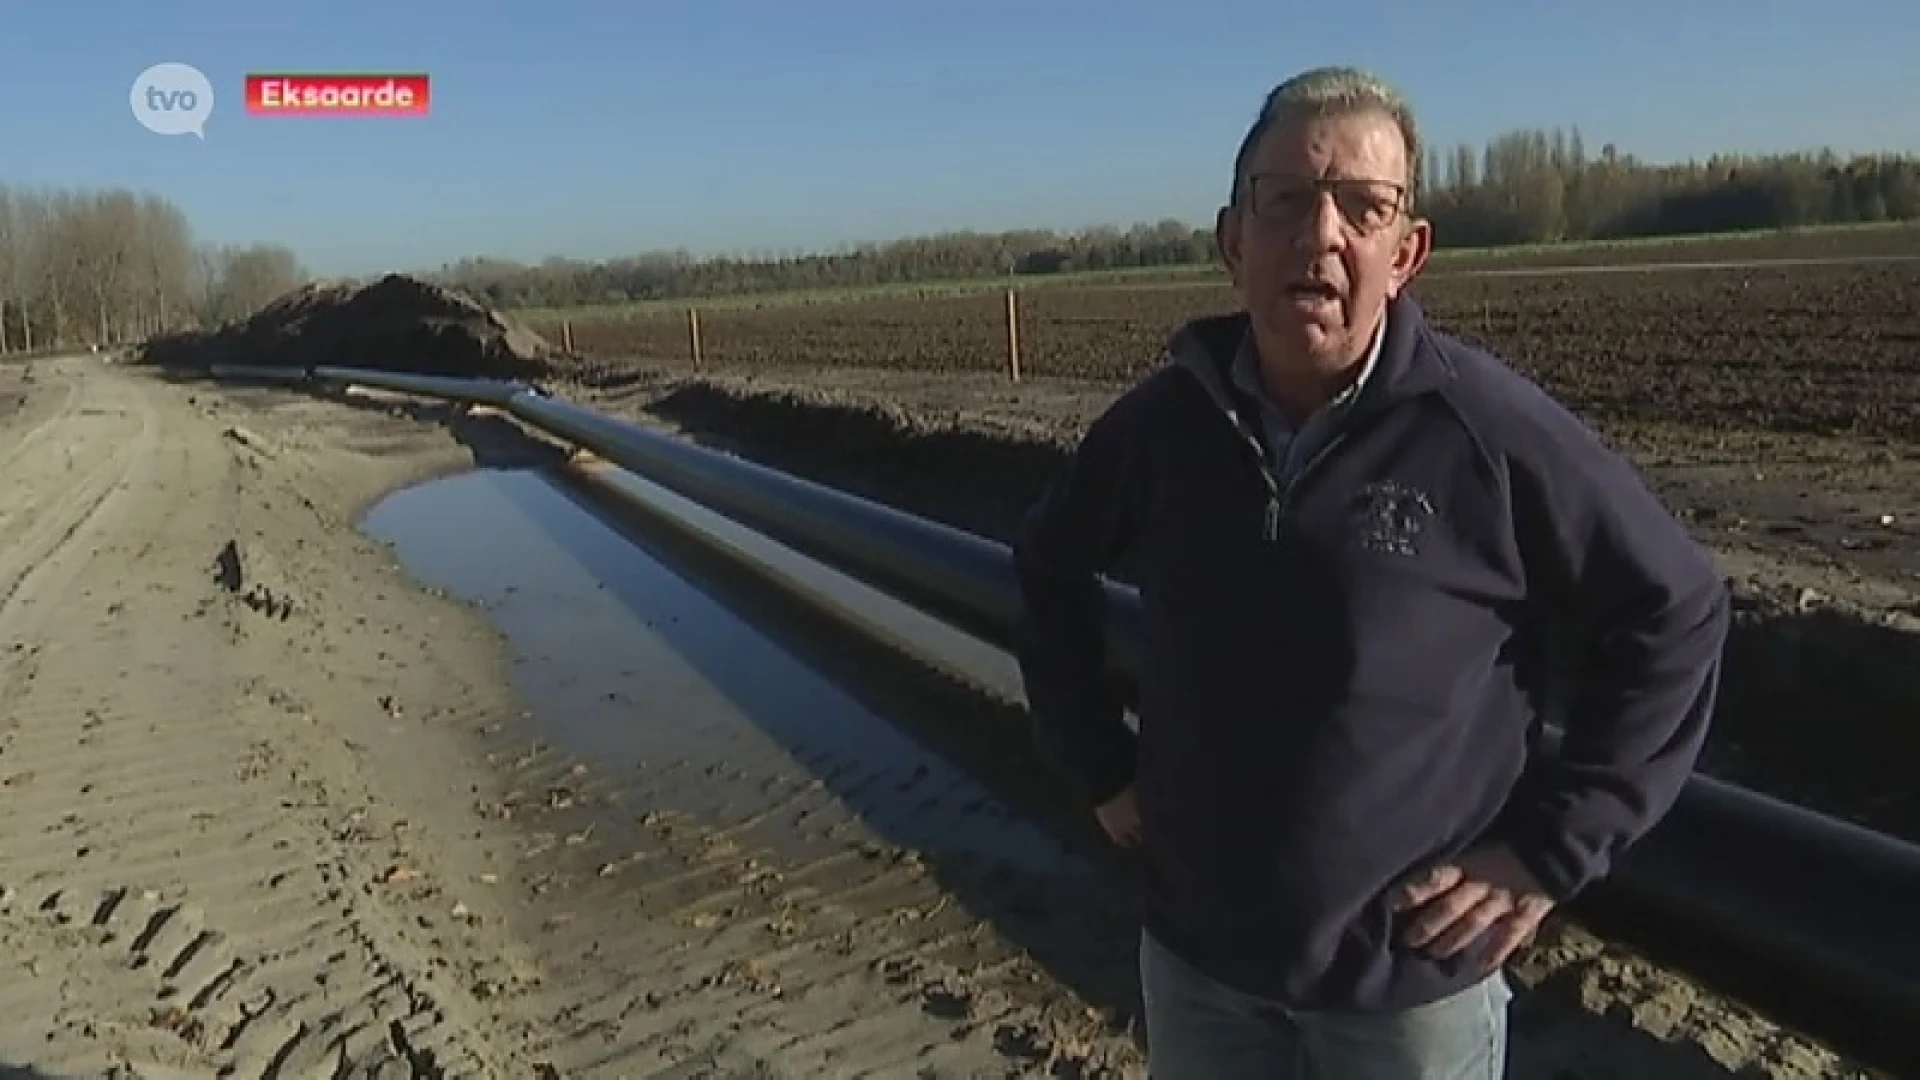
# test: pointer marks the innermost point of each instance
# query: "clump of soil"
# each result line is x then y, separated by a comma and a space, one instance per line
397, 323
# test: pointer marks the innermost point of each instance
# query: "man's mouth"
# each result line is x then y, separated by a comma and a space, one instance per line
1313, 292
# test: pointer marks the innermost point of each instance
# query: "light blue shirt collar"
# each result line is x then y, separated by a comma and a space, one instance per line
1291, 448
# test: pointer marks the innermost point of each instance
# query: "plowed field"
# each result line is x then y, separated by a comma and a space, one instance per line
1797, 349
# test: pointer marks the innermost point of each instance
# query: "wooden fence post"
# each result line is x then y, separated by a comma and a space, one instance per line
566, 335
1013, 336
693, 333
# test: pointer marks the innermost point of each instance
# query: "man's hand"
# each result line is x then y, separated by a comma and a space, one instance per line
1485, 891
1120, 816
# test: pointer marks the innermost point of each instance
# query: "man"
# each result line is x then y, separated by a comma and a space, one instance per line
1352, 533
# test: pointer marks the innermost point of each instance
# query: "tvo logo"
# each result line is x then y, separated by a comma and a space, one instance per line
172, 99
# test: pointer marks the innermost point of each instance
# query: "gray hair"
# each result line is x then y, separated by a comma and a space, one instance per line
1331, 91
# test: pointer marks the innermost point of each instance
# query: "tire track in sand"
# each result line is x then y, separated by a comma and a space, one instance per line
41, 414
173, 897
754, 907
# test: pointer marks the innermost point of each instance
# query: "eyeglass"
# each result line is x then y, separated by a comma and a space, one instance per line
1367, 206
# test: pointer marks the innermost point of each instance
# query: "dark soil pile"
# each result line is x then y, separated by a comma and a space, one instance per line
398, 323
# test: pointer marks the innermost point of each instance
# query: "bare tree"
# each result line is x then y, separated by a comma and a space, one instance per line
241, 280
164, 268
56, 254
9, 267
103, 230
30, 216
114, 266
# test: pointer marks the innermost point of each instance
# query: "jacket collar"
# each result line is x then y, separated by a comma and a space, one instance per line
1244, 373
1407, 366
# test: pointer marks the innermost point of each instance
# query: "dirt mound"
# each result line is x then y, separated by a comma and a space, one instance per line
398, 323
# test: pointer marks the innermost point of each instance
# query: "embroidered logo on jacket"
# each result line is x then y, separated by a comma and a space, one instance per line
1390, 517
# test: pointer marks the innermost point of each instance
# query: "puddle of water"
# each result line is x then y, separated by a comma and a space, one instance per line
624, 662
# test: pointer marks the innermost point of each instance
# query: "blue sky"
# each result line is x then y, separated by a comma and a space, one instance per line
594, 129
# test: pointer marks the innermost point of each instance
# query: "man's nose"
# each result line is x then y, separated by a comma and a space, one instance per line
1322, 229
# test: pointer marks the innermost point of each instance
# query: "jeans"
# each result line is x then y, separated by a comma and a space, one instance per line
1197, 1028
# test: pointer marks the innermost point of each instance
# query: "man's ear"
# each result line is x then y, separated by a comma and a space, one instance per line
1416, 243
1226, 237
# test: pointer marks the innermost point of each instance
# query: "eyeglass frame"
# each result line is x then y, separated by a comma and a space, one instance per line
1329, 185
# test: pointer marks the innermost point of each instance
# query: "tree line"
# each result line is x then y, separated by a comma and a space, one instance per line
108, 267
1531, 186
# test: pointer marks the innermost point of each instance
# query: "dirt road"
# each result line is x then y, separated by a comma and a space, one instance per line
197, 809
273, 810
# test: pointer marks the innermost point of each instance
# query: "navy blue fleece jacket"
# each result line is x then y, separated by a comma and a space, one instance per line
1340, 671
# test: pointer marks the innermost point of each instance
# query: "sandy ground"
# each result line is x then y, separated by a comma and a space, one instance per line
215, 691
272, 810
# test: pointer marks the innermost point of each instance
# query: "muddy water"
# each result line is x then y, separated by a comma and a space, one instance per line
627, 662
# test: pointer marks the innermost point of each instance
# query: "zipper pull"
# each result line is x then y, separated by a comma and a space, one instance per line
1272, 527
